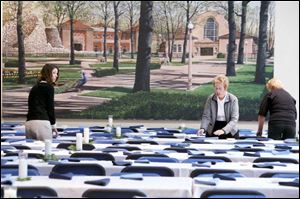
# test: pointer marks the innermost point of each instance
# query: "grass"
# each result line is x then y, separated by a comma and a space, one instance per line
114, 92
177, 104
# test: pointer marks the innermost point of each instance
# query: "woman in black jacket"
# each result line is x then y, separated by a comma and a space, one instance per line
283, 113
41, 121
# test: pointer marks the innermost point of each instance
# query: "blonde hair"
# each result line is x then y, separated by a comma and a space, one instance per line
221, 79
274, 84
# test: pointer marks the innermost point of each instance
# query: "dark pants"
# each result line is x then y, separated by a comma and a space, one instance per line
219, 125
281, 130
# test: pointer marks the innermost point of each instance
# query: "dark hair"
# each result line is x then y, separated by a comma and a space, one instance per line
46, 73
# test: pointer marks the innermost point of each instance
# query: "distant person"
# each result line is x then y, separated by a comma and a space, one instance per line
41, 121
283, 113
81, 82
221, 112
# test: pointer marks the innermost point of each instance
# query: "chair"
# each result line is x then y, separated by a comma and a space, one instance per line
164, 136
21, 147
87, 147
97, 156
179, 149
159, 159
137, 156
30, 155
142, 142
210, 172
280, 175
162, 171
202, 159
35, 192
274, 159
13, 169
80, 169
247, 149
113, 193
225, 193
128, 148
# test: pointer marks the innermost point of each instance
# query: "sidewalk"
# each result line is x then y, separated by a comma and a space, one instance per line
171, 77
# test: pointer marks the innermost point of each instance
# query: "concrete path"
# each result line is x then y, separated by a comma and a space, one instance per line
173, 77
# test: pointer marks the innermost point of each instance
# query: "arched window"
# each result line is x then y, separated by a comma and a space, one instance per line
210, 29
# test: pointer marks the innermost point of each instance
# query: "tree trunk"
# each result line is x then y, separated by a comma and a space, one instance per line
262, 43
116, 38
131, 37
230, 69
104, 42
72, 56
142, 74
21, 48
243, 31
186, 33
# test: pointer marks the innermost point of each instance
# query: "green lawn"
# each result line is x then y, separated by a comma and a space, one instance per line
177, 104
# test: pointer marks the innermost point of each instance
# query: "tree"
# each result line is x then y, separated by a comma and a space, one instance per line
230, 68
72, 7
132, 16
21, 48
55, 9
105, 13
243, 32
116, 38
271, 33
191, 9
142, 74
262, 43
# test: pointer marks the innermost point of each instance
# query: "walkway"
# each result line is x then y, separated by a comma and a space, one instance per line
173, 77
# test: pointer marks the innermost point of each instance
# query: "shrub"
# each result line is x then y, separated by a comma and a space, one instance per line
105, 72
220, 55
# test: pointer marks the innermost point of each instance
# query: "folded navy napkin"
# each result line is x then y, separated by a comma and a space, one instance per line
6, 182
211, 182
244, 146
64, 176
195, 152
121, 163
101, 182
223, 177
132, 176
255, 154
145, 161
180, 145
53, 162
219, 151
204, 164
262, 165
282, 146
294, 183
6, 179
281, 152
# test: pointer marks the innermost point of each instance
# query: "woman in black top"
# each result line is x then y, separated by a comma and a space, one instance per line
41, 122
283, 113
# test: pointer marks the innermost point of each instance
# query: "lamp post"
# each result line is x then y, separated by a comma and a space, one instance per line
190, 27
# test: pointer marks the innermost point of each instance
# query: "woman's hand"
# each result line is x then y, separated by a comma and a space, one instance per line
201, 132
258, 133
219, 132
54, 133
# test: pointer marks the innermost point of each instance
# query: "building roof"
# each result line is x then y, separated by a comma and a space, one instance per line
78, 25
237, 35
